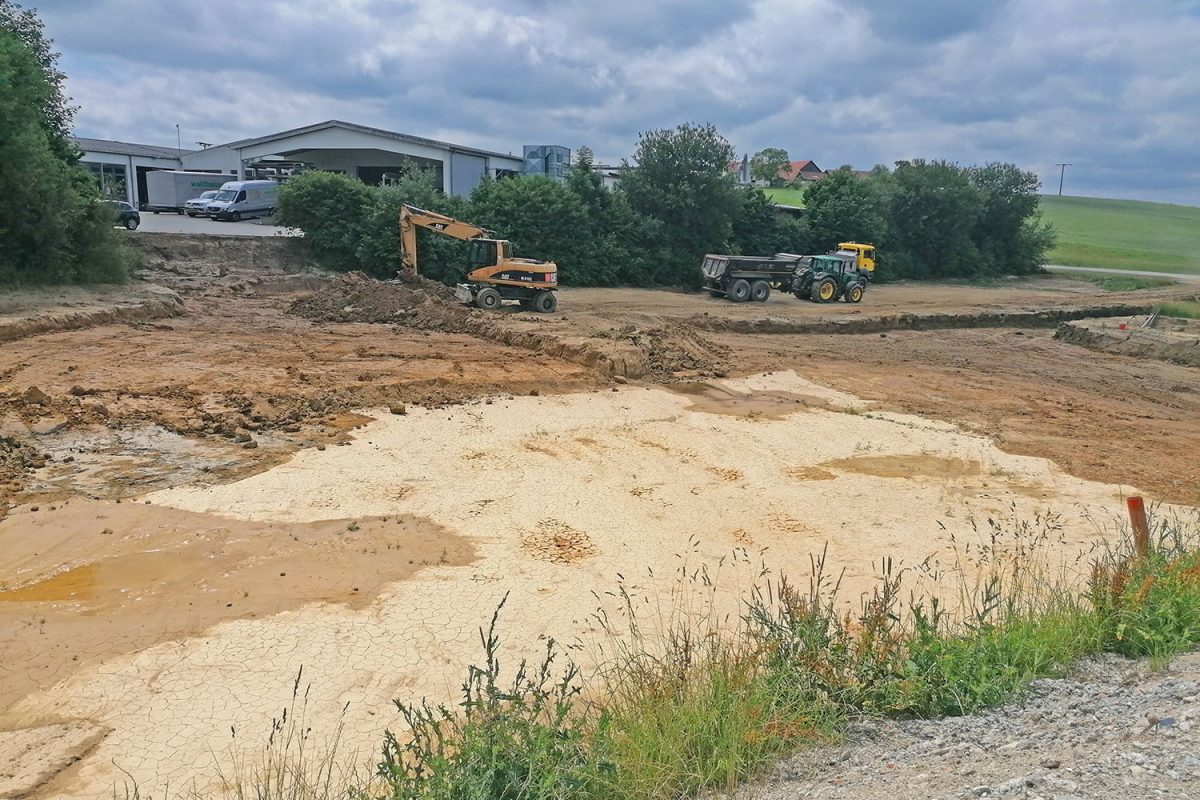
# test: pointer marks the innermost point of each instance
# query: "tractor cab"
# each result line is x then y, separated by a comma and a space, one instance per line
826, 278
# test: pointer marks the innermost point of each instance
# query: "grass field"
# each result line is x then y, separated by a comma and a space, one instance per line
1124, 234
786, 197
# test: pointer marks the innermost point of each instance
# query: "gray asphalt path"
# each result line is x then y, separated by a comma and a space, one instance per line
180, 223
1181, 277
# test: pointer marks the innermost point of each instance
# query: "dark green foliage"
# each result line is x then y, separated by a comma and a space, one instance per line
760, 229
682, 179
330, 209
1009, 232
52, 229
843, 207
542, 218
440, 258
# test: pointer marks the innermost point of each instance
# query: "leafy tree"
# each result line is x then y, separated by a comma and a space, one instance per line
619, 237
543, 219
762, 229
56, 111
934, 211
1009, 234
330, 209
52, 229
441, 258
681, 179
843, 207
765, 165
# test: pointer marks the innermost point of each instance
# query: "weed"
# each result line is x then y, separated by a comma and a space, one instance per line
1182, 309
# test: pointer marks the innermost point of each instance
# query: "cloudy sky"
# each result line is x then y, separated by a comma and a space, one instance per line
1111, 86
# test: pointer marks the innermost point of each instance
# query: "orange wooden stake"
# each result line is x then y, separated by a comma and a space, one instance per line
1140, 524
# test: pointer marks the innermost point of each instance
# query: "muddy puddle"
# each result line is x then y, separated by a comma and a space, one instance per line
120, 462
908, 466
714, 398
87, 579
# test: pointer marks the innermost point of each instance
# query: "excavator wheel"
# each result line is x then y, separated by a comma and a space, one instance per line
544, 302
488, 299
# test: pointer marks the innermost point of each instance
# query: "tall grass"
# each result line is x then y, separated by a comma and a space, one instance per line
692, 700
1182, 309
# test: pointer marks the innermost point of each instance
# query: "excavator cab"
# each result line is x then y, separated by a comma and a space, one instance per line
483, 253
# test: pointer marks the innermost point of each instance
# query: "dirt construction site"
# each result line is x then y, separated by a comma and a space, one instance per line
238, 475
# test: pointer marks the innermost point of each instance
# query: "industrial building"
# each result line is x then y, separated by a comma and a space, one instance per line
373, 155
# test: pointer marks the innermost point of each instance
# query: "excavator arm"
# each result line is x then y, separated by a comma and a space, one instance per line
412, 218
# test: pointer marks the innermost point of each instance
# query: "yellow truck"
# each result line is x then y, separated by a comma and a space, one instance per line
863, 255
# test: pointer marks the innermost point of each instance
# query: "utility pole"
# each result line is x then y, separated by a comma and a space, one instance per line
1061, 174
179, 146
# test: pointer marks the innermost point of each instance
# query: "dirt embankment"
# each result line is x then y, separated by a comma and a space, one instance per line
629, 351
1173, 340
916, 322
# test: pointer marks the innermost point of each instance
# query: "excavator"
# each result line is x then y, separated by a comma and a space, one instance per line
494, 275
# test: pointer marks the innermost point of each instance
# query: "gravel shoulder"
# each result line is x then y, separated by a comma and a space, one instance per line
1113, 730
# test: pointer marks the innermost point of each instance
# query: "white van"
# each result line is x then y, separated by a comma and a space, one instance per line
238, 199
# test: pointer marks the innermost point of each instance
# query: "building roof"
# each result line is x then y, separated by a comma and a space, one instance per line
365, 129
795, 169
127, 148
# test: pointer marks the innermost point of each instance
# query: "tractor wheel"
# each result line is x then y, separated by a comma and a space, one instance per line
824, 290
488, 299
760, 291
854, 294
739, 291
545, 302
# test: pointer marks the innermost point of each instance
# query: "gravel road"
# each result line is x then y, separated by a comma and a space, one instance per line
1113, 731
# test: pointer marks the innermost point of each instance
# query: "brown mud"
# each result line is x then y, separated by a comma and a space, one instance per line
83, 580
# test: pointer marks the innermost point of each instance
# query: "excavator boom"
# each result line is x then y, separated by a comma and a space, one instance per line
412, 218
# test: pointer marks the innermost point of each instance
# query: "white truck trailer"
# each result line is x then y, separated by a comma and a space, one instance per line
168, 190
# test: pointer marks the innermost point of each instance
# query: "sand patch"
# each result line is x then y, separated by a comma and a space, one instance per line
908, 466
93, 579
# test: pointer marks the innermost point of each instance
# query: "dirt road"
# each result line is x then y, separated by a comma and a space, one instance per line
412, 460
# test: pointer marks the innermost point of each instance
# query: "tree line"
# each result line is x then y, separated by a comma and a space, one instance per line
675, 202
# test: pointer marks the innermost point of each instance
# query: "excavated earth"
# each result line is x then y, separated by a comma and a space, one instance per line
237, 466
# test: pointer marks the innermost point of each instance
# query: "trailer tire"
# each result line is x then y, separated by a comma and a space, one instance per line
545, 302
760, 291
488, 299
739, 290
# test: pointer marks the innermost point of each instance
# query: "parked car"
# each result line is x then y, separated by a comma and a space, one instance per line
124, 214
198, 206
238, 199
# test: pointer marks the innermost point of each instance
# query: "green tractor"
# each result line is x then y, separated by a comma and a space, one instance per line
824, 279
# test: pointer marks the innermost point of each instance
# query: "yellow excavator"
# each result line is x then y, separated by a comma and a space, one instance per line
493, 274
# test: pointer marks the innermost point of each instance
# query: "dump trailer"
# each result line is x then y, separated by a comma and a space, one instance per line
168, 190
742, 278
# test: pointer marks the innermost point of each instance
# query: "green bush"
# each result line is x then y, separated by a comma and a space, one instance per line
440, 258
330, 210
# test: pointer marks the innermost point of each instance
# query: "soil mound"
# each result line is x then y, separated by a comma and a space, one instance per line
674, 348
414, 302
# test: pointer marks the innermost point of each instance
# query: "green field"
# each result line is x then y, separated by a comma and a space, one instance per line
1124, 234
786, 197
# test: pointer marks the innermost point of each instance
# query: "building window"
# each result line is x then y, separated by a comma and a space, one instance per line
110, 178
